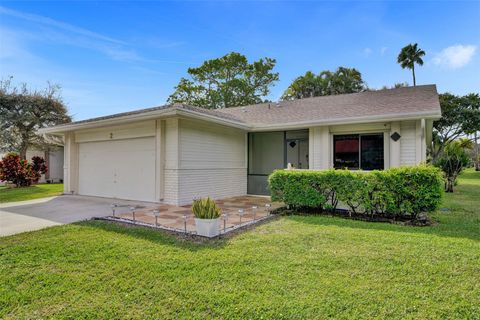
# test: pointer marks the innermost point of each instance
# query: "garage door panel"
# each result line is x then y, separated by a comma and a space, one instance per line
123, 169
95, 177
135, 175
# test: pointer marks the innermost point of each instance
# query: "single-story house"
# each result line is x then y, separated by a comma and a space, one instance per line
175, 153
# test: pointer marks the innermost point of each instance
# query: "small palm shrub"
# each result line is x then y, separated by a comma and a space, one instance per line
205, 208
452, 162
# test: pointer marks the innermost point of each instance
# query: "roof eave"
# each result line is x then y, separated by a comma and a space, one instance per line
61, 129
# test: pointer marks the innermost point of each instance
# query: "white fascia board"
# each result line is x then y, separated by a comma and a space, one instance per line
343, 121
60, 130
107, 122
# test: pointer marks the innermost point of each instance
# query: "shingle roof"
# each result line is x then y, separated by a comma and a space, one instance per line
211, 112
420, 100
406, 100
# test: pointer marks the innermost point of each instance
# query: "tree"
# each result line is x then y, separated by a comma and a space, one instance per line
225, 82
395, 86
452, 161
460, 118
24, 111
409, 55
471, 125
342, 80
19, 171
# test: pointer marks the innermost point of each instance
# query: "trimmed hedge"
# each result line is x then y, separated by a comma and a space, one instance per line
404, 191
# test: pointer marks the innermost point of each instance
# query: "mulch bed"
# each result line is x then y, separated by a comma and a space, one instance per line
420, 221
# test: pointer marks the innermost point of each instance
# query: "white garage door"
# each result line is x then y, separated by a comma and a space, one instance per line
123, 169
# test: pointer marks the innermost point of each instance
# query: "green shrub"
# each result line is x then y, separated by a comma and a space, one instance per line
205, 208
452, 161
393, 192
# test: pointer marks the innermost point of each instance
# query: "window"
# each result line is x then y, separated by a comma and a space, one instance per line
358, 151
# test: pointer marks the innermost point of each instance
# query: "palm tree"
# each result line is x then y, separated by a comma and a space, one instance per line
409, 55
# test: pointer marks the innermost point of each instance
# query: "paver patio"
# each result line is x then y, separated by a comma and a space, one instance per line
181, 217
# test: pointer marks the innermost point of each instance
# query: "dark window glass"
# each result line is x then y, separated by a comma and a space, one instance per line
346, 148
354, 151
372, 151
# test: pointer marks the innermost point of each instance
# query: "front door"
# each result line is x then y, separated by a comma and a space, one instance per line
268, 151
297, 153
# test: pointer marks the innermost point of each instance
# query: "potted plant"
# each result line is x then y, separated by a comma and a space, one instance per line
207, 217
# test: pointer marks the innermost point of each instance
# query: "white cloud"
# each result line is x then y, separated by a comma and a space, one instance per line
57, 24
12, 46
383, 50
367, 52
454, 57
53, 31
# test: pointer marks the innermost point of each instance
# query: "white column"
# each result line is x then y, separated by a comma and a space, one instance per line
159, 159
394, 145
311, 156
70, 164
320, 152
420, 142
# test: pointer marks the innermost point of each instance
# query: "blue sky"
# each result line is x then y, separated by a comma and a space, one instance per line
117, 56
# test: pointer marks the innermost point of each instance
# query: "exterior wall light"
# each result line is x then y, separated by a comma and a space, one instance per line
268, 207
156, 213
185, 222
113, 206
395, 136
241, 212
132, 209
224, 217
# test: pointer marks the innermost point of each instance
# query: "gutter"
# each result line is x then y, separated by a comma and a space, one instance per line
344, 121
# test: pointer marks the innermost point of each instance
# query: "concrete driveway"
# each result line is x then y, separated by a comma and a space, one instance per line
21, 216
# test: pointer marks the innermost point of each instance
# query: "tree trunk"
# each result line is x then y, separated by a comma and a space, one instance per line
23, 152
449, 185
413, 73
477, 160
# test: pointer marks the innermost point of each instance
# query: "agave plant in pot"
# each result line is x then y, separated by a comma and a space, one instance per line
207, 217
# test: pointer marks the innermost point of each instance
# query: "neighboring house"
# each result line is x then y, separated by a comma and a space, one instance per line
176, 153
54, 161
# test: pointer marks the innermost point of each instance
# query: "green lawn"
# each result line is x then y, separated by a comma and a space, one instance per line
294, 267
29, 193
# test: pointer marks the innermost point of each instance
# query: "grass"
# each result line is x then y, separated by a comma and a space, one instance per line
29, 193
295, 267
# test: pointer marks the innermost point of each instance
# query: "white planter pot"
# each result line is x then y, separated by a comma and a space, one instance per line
208, 227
